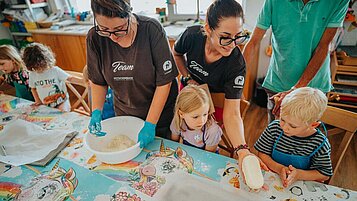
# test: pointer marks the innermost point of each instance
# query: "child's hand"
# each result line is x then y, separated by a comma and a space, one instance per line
36, 104
283, 173
293, 176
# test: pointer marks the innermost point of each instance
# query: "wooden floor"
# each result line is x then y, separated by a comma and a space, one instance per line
256, 120
254, 124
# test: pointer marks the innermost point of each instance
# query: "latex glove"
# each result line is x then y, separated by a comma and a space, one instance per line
94, 125
146, 134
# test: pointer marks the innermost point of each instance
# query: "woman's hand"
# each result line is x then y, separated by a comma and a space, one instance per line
242, 154
95, 126
278, 98
191, 81
146, 134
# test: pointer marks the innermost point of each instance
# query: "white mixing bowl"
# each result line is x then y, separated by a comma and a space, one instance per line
120, 125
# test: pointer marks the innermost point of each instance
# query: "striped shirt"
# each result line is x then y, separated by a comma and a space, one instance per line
302, 146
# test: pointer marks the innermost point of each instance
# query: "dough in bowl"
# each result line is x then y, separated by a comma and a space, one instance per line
118, 143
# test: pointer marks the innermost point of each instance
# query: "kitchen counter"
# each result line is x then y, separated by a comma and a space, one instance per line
74, 30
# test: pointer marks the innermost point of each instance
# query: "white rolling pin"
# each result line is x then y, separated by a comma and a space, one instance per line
252, 172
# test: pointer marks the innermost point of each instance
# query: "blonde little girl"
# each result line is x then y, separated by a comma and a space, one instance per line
193, 119
47, 81
14, 71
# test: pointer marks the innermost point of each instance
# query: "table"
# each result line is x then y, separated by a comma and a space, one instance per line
75, 173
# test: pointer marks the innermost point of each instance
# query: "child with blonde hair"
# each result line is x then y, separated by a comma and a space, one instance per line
193, 119
293, 146
15, 73
47, 81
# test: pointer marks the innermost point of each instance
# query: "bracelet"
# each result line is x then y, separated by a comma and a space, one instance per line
242, 146
185, 79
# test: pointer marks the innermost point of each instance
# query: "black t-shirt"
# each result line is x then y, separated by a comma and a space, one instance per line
134, 72
225, 75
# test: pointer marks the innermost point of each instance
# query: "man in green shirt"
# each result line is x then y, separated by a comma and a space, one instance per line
301, 33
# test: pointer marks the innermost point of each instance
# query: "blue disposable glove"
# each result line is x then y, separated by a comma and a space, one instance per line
94, 125
146, 134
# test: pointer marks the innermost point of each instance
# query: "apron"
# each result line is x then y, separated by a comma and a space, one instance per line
203, 139
299, 162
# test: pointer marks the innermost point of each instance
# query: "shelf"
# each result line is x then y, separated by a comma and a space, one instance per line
354, 84
342, 94
346, 73
21, 34
35, 5
342, 105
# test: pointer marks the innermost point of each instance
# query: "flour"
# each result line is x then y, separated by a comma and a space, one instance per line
118, 143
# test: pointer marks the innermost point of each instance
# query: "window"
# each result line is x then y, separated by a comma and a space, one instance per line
184, 8
147, 6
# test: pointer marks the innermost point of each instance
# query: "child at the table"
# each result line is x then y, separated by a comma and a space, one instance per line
108, 107
47, 81
193, 119
293, 146
14, 71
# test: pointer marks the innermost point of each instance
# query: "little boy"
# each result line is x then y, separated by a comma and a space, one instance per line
293, 146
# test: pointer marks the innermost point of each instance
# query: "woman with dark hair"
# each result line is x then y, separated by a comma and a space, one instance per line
213, 58
131, 54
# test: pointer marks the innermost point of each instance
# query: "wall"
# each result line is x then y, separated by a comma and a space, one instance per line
251, 11
4, 31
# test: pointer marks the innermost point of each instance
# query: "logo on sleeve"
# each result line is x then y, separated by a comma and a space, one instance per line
239, 82
167, 66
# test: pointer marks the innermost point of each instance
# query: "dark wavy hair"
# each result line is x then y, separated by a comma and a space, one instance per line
37, 56
111, 8
220, 9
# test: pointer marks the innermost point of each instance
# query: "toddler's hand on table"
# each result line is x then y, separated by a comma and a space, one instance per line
95, 126
292, 176
36, 104
283, 173
146, 134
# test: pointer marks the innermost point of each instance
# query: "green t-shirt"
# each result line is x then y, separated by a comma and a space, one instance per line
297, 30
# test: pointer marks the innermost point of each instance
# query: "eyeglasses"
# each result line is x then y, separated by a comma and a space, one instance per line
225, 41
117, 33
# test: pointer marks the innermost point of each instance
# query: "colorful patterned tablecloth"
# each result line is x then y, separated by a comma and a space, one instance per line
75, 174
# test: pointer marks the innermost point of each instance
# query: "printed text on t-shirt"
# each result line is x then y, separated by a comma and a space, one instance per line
122, 66
194, 65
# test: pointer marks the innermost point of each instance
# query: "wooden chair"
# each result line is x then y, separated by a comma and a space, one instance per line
343, 122
218, 102
81, 99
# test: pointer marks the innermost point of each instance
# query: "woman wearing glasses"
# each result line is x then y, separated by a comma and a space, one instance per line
214, 58
130, 53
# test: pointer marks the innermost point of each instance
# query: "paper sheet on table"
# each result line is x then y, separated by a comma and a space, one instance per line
25, 142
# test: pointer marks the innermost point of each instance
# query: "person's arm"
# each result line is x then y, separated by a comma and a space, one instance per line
312, 67
98, 96
2, 80
233, 124
180, 62
211, 148
317, 59
251, 50
158, 103
275, 167
174, 137
306, 175
36, 97
75, 79
181, 66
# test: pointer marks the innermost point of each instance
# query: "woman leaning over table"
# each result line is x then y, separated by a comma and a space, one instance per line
130, 53
214, 58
